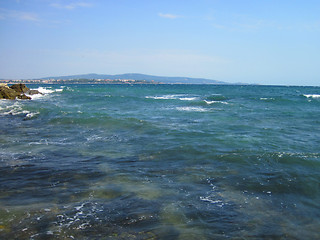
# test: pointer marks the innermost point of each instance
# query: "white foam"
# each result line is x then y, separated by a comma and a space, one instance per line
312, 95
44, 90
212, 102
208, 199
35, 96
31, 115
48, 90
192, 109
14, 109
181, 97
188, 98
163, 97
79, 207
41, 142
17, 109
266, 99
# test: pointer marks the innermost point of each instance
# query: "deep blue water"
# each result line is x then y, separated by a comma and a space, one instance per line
161, 162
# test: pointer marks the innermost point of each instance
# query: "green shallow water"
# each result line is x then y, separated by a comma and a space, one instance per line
161, 162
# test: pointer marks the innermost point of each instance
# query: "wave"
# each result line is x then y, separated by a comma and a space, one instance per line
312, 95
192, 109
196, 100
188, 98
216, 97
181, 97
45, 91
267, 99
163, 97
27, 115
17, 108
212, 102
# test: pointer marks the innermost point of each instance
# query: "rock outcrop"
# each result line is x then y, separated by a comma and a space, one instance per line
8, 93
16, 91
20, 88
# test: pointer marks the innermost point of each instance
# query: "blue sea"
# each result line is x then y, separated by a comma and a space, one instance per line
161, 162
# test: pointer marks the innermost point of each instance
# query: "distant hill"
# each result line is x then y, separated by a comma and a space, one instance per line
137, 76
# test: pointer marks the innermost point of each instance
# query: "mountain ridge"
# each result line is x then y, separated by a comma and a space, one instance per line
139, 76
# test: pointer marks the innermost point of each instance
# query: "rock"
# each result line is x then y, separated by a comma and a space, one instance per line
8, 93
20, 88
14, 91
33, 92
23, 96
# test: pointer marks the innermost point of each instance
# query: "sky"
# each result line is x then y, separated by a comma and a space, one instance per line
274, 42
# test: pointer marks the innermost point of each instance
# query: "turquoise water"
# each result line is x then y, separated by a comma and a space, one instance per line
161, 162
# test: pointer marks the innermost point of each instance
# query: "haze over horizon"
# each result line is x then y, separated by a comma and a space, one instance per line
261, 42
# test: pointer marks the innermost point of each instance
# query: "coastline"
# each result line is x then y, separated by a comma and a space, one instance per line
78, 81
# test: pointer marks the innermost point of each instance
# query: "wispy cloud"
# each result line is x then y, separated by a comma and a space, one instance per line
71, 6
18, 15
168, 15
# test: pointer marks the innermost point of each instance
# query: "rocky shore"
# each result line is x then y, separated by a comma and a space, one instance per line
16, 91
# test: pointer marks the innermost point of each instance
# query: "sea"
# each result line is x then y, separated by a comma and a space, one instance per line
161, 162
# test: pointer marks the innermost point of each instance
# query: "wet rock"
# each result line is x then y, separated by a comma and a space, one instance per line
20, 88
33, 92
14, 91
8, 93
23, 96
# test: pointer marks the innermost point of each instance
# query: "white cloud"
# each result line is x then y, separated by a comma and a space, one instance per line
18, 15
71, 5
168, 15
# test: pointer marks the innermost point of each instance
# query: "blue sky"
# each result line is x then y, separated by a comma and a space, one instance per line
251, 41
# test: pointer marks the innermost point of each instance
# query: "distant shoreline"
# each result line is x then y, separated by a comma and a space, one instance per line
104, 82
79, 81
130, 78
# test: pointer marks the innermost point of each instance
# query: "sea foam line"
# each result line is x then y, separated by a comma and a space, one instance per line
188, 98
312, 95
212, 102
164, 97
192, 109
172, 97
44, 91
266, 99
